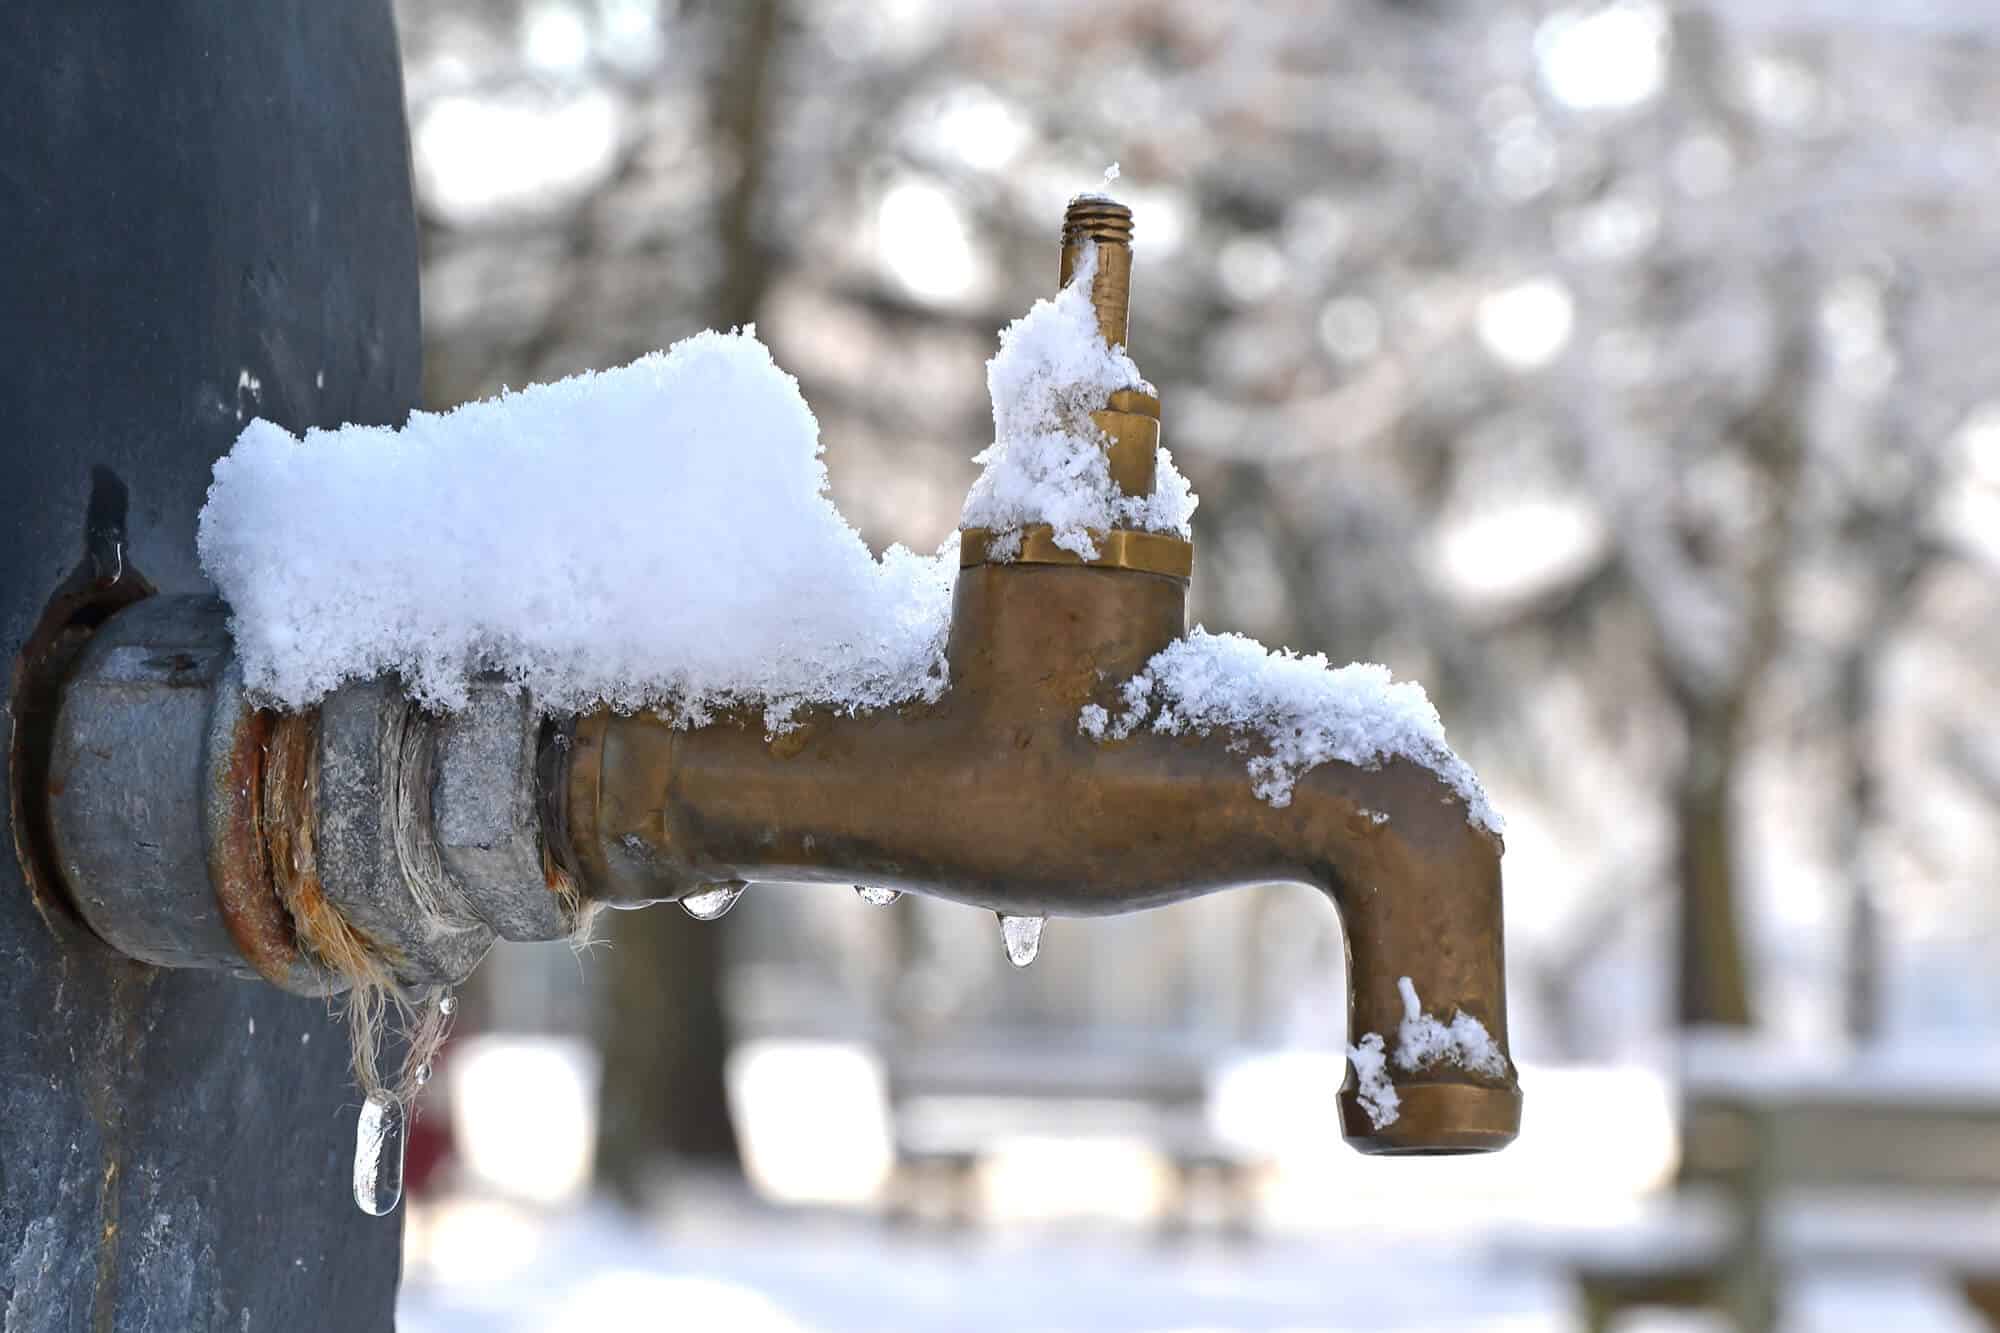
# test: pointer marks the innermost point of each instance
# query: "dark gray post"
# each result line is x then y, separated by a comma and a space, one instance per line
205, 216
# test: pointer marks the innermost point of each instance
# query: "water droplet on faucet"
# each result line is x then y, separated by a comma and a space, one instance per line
713, 902
877, 897
1023, 937
379, 1140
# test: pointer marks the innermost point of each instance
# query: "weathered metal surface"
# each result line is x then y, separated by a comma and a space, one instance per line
194, 830
154, 788
289, 820
485, 808
240, 871
154, 776
101, 585
127, 800
207, 218
377, 857
555, 746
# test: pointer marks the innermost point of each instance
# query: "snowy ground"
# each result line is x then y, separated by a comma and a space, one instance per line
496, 1268
1069, 1240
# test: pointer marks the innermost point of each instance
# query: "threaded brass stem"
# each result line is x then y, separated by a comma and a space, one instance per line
1092, 217
1108, 223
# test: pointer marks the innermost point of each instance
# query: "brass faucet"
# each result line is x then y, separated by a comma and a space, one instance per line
991, 796
364, 844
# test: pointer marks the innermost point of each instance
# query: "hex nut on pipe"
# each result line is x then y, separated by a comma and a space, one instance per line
486, 810
377, 857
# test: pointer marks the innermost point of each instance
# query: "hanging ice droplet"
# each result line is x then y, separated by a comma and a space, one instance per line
877, 897
379, 1141
448, 1005
713, 902
1023, 937
423, 1074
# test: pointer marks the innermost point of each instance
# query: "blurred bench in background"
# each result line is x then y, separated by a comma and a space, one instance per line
954, 1104
1843, 1170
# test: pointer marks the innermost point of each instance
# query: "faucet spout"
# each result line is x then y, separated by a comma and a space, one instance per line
993, 797
1418, 888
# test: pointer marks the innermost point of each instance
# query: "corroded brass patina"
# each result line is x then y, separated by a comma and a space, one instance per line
993, 797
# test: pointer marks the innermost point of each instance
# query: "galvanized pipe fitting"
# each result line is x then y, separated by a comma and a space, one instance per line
192, 829
375, 851
486, 804
133, 760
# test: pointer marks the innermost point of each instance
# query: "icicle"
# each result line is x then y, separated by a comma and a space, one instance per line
877, 897
379, 1141
1023, 937
713, 902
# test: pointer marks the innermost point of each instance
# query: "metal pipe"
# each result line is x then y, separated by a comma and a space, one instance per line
191, 829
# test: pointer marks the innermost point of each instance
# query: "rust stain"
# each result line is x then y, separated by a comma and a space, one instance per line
104, 1294
335, 948
238, 866
81, 603
105, 1076
789, 744
552, 766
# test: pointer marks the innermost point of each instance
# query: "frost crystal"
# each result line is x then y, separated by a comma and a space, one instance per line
1371, 1074
1047, 463
1423, 1041
658, 535
1305, 713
